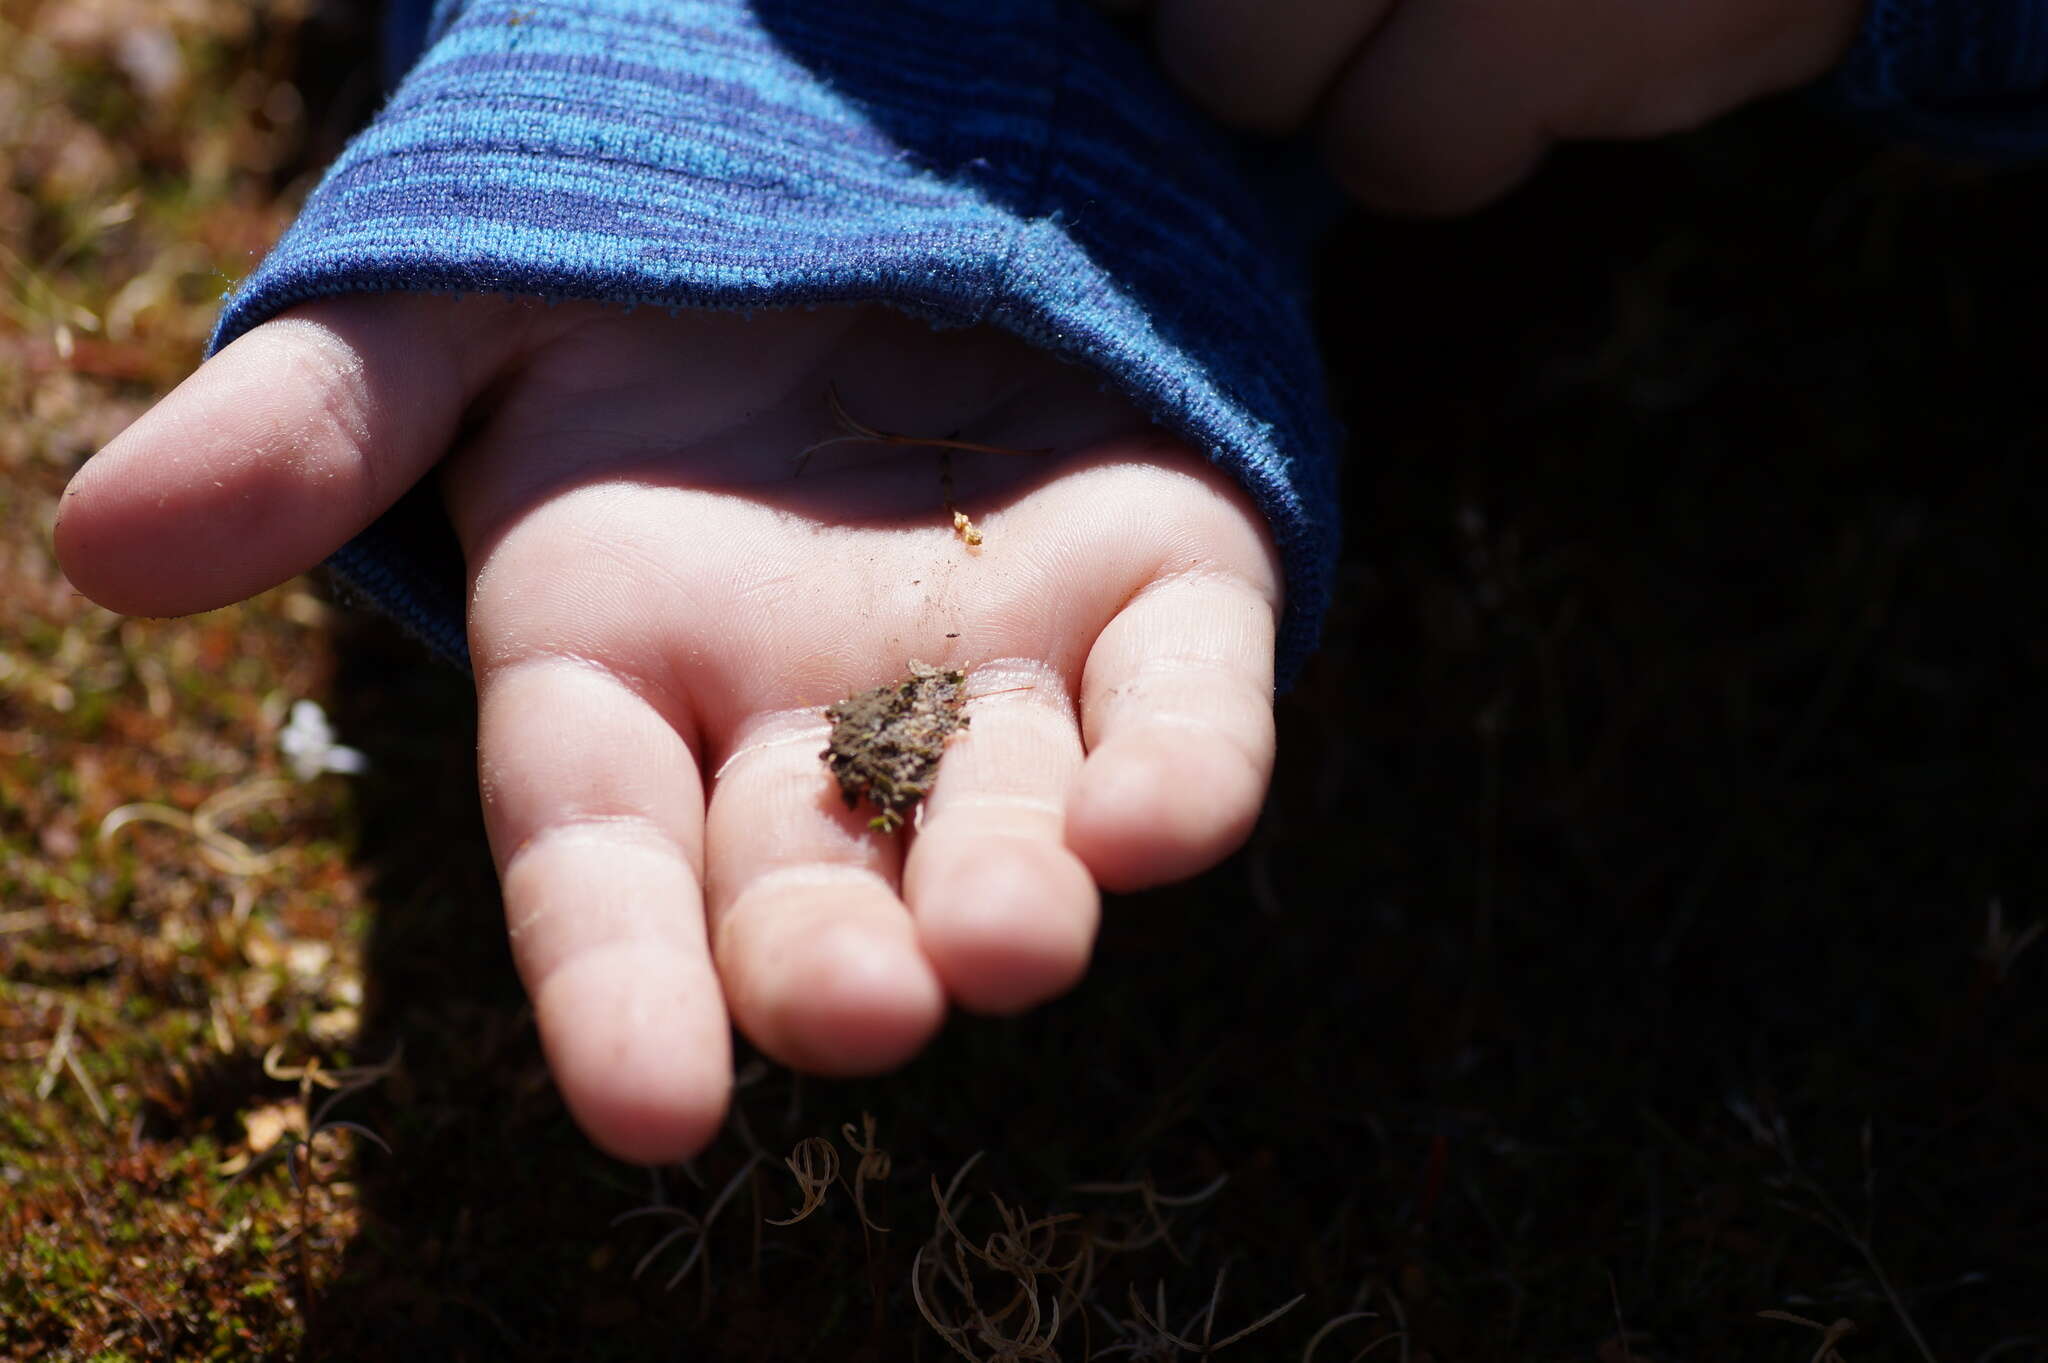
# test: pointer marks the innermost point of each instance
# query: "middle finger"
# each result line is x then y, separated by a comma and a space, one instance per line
819, 959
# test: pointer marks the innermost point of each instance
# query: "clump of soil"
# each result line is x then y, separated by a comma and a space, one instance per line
886, 743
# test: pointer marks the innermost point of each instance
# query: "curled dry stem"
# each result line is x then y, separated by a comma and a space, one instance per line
815, 1165
218, 848
1023, 1329
1047, 1266
874, 1164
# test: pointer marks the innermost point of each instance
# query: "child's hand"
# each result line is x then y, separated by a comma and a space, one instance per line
660, 609
1435, 106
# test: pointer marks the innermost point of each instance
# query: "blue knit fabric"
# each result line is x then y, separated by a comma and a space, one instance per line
1968, 75
1009, 162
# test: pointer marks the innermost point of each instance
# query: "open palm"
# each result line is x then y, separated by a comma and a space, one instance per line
660, 607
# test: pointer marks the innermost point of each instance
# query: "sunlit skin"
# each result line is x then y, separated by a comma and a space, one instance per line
660, 610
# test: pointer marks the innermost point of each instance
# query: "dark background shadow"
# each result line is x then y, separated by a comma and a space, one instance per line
1617, 932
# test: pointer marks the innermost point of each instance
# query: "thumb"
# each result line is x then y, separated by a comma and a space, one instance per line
274, 453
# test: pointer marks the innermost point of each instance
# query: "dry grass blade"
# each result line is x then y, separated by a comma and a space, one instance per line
1146, 1189
1161, 1231
1261, 1323
1830, 1335
1621, 1335
218, 848
1335, 1323
310, 1122
307, 1076
1827, 1213
855, 432
342, 1083
63, 1059
718, 1204
1154, 1321
2002, 946
359, 1129
88, 1088
140, 1314
692, 1224
948, 1227
60, 1050
874, 1163
951, 1335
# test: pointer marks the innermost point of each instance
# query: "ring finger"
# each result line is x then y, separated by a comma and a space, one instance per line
1006, 914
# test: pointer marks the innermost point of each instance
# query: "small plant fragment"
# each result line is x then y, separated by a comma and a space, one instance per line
886, 743
969, 534
859, 432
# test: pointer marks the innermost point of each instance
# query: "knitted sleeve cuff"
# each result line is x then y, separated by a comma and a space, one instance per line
1971, 75
1011, 162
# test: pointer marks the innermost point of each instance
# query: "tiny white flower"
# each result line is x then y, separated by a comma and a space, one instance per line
307, 742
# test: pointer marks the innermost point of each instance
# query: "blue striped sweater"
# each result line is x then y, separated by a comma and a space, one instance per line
1009, 162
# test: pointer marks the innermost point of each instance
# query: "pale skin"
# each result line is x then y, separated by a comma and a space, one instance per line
1437, 106
660, 608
